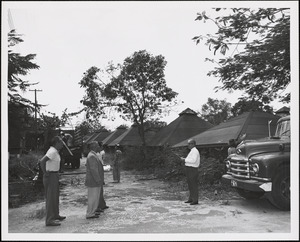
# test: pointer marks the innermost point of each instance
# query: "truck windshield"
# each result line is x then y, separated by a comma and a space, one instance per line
283, 129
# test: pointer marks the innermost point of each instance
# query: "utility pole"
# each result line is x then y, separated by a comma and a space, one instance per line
35, 115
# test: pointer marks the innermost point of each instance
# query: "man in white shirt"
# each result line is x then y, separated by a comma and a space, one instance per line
192, 162
50, 164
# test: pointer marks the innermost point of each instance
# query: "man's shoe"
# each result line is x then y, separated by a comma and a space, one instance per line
188, 201
106, 207
99, 211
193, 203
95, 216
61, 218
53, 223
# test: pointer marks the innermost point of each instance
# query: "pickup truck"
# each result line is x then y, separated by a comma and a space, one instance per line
263, 166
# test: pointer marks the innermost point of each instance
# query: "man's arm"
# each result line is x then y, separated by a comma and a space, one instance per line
43, 163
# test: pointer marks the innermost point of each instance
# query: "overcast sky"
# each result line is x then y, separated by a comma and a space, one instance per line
70, 37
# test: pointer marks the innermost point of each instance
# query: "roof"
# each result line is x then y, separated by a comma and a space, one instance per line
114, 135
185, 126
283, 110
98, 136
130, 137
254, 124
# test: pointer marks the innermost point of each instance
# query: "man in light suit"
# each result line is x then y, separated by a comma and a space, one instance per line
94, 180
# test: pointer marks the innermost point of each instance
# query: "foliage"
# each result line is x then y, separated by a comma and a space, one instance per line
154, 124
49, 123
23, 168
136, 89
18, 65
215, 111
262, 67
89, 126
248, 105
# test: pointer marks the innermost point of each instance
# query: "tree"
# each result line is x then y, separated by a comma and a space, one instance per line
20, 109
18, 65
215, 111
249, 105
138, 92
262, 67
87, 127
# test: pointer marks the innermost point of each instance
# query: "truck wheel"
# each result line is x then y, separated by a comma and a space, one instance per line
249, 194
281, 189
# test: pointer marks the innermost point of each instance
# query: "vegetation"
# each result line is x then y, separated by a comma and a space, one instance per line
18, 65
259, 63
215, 111
136, 90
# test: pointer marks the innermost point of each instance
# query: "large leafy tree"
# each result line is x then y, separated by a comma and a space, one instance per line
249, 105
18, 67
20, 109
137, 89
215, 111
258, 44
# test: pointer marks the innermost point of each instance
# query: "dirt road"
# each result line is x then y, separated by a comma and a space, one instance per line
143, 205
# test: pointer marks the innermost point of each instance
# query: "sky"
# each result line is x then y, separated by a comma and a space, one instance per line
70, 37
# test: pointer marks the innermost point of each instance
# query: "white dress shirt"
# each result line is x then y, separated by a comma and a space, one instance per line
193, 158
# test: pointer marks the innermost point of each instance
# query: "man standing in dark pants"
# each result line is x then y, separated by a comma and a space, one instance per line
50, 166
102, 204
192, 162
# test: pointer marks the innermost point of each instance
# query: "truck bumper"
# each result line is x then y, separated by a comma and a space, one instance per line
250, 185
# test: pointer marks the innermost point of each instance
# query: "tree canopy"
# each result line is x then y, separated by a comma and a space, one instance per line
18, 66
259, 63
251, 105
136, 89
216, 111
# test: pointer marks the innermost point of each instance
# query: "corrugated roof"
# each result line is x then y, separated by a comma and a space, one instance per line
98, 136
186, 125
90, 137
114, 135
130, 137
254, 124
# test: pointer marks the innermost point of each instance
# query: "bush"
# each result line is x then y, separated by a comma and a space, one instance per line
24, 167
22, 188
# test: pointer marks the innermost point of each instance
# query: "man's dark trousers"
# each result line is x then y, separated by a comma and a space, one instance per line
51, 185
192, 180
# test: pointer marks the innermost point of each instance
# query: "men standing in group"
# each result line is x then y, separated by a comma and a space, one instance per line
94, 180
50, 166
102, 204
116, 163
192, 162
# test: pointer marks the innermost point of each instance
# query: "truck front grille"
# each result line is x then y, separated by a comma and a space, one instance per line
240, 168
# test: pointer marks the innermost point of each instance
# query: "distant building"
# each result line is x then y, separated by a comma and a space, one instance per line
284, 111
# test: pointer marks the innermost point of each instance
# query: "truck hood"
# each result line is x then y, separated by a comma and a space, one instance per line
265, 145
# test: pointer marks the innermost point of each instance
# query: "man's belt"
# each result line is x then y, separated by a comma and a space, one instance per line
52, 171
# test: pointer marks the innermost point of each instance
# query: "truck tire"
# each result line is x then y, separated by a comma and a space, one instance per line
249, 194
281, 189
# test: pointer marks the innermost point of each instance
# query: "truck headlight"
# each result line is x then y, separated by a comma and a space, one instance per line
255, 168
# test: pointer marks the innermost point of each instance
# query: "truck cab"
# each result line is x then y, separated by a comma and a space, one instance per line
263, 166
